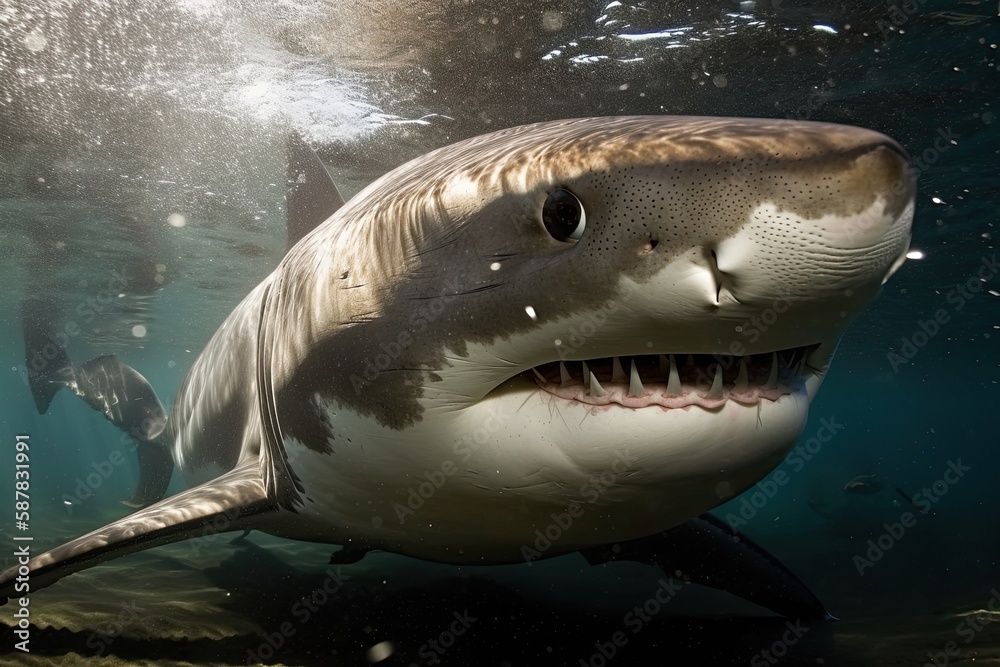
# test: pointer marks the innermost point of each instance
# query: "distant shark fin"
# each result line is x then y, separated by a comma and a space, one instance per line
122, 395
312, 196
128, 401
116, 390
49, 369
709, 552
230, 502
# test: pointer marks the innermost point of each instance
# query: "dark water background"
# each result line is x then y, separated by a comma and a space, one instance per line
116, 115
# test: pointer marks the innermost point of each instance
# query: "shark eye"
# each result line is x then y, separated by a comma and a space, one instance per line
563, 215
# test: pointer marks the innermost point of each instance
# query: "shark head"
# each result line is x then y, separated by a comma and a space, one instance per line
620, 320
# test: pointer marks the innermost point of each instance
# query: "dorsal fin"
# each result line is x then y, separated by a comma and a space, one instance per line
312, 196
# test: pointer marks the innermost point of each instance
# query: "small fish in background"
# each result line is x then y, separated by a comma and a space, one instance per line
924, 507
869, 485
866, 485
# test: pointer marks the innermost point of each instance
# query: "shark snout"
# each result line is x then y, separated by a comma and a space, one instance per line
833, 234
880, 175
885, 171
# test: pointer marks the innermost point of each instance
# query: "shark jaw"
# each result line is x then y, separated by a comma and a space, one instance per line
495, 468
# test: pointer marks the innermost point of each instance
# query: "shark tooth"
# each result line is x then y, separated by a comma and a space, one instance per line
539, 376
674, 382
617, 372
772, 379
635, 387
664, 365
716, 390
595, 387
742, 378
564, 378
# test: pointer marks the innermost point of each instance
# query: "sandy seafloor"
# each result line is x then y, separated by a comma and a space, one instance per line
216, 601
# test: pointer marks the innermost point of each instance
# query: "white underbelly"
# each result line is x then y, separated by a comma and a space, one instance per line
447, 490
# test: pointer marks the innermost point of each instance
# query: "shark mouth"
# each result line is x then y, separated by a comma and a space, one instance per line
677, 381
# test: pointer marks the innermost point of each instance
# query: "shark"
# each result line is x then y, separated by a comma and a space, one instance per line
571, 336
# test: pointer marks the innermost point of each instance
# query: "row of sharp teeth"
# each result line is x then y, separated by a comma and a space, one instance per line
668, 368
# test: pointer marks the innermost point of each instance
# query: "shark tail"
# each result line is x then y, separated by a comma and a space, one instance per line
114, 389
230, 502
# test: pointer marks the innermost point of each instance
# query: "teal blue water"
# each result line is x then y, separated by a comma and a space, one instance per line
114, 118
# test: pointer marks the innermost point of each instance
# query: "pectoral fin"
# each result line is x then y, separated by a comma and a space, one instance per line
709, 552
234, 501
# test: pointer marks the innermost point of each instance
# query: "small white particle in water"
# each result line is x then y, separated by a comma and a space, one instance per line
720, 81
380, 652
176, 220
495, 266
35, 41
824, 28
171, 364
531, 312
160, 268
994, 292
624, 86
558, 342
936, 200
915, 254
139, 331
552, 21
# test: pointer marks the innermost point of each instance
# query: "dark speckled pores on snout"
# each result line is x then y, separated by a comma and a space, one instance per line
373, 303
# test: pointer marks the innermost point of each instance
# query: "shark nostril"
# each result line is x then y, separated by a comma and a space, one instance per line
717, 275
648, 246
